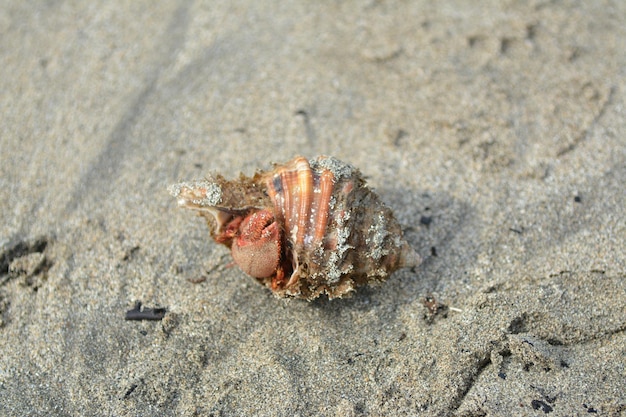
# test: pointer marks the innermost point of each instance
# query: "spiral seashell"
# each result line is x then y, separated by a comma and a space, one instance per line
304, 228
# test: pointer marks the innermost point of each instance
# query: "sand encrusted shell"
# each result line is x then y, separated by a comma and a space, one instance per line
335, 232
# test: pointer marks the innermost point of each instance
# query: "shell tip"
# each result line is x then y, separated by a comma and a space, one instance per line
408, 257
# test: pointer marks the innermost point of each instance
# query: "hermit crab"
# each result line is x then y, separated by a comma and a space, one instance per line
303, 228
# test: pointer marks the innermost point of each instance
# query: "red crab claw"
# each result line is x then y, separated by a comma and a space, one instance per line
257, 247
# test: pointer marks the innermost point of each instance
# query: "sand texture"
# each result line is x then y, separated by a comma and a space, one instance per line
496, 132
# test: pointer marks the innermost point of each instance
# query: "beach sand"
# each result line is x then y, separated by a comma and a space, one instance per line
497, 133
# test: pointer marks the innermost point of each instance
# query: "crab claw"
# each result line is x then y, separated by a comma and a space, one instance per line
257, 247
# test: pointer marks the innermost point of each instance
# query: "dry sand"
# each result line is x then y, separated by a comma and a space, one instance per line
496, 132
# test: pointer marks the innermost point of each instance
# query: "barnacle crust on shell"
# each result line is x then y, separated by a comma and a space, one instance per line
335, 233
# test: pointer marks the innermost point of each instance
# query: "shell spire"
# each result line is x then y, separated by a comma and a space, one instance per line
314, 224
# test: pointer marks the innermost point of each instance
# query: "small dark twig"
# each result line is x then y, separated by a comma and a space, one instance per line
146, 314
